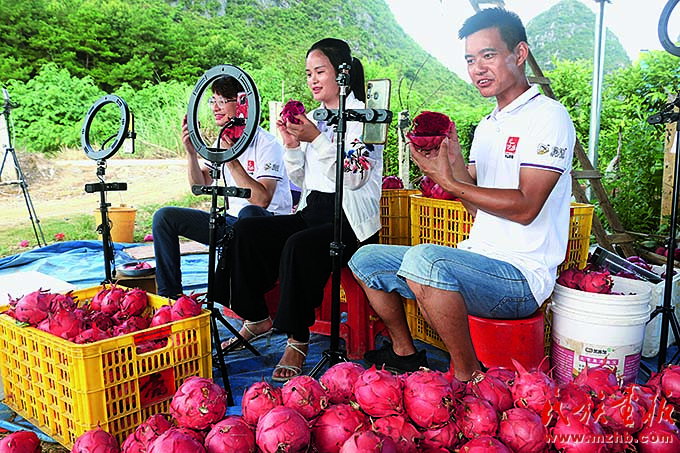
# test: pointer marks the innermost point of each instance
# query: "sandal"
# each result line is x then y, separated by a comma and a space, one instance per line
297, 370
236, 343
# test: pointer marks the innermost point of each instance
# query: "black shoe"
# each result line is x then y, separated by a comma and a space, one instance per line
386, 358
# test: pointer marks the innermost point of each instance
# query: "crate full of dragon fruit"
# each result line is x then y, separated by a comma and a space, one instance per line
114, 364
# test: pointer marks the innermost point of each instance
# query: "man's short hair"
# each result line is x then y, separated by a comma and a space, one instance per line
227, 87
509, 25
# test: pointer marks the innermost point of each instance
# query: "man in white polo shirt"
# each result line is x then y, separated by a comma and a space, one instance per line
518, 187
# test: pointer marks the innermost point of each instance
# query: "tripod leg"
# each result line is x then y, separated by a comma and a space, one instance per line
220, 356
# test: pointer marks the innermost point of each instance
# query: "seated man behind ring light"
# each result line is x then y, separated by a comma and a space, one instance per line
259, 168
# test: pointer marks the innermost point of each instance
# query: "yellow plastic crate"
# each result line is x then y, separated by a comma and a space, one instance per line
581, 216
421, 330
65, 389
395, 216
434, 221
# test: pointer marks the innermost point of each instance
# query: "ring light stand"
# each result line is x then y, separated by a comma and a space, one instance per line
340, 117
217, 157
100, 156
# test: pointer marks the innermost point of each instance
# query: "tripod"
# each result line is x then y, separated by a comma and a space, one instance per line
217, 218
668, 318
20, 178
334, 354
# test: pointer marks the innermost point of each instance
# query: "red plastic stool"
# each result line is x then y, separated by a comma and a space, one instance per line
496, 341
362, 324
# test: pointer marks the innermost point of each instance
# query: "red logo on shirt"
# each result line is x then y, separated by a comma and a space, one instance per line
251, 165
511, 147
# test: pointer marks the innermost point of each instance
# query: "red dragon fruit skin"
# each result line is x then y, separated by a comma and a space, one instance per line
146, 433
533, 389
428, 398
291, 110
258, 399
476, 417
177, 441
523, 431
571, 277
447, 437
379, 393
306, 395
369, 442
596, 282
335, 425
96, 441
491, 389
32, 307
231, 435
198, 403
402, 432
339, 379
185, 307
20, 442
600, 381
162, 316
568, 429
484, 444
282, 430
134, 303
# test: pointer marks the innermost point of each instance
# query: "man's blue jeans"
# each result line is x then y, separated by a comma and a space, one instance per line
171, 222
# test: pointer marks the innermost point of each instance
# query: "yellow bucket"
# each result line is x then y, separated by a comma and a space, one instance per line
122, 220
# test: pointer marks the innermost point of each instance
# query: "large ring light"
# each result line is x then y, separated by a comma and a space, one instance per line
120, 136
217, 154
666, 42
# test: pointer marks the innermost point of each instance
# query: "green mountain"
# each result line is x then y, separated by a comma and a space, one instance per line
567, 32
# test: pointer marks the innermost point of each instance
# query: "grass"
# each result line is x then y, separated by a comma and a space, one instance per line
81, 227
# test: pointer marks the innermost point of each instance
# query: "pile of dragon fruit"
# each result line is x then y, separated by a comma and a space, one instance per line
351, 409
598, 279
112, 312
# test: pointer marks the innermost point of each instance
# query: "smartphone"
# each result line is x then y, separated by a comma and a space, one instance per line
377, 97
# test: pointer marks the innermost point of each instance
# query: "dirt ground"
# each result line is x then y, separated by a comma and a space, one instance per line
56, 187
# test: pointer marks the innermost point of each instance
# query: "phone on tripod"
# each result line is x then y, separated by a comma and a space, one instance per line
378, 98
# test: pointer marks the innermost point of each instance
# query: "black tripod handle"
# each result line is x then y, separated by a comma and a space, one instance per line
237, 192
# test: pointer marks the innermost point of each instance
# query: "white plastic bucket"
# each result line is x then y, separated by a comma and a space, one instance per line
590, 329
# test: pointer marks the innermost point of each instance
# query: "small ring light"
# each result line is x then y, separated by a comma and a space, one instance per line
216, 154
122, 132
663, 29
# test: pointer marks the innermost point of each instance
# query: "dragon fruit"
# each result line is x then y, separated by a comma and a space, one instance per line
448, 437
426, 185
670, 384
533, 389
662, 437
504, 374
97, 319
368, 442
600, 381
476, 417
305, 395
291, 110
597, 282
96, 302
162, 316
571, 277
440, 194
282, 430
428, 398
96, 441
258, 399
429, 130
62, 301
20, 442
147, 432
491, 389
392, 182
402, 432
570, 430
484, 444
379, 393
338, 381
176, 440
134, 303
132, 324
64, 324
574, 399
619, 413
522, 430
231, 435
335, 425
185, 307
198, 403
91, 335
32, 307
110, 303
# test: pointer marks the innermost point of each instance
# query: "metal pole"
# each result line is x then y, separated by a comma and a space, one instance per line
598, 71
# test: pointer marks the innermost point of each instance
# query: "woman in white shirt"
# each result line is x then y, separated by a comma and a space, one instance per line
295, 249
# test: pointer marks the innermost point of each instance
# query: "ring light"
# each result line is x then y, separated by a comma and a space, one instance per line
120, 136
663, 29
219, 155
